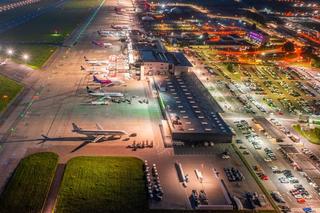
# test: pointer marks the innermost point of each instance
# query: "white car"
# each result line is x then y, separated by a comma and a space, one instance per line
225, 157
4, 62
267, 160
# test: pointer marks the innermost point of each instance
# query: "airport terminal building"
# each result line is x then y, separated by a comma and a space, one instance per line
156, 60
191, 113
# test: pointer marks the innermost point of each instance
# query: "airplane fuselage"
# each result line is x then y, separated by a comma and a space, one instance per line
101, 132
110, 94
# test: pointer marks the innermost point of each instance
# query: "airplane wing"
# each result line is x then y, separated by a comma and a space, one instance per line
99, 127
98, 138
102, 98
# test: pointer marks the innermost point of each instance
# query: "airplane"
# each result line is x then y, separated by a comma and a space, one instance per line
97, 62
102, 44
100, 102
107, 45
111, 37
105, 94
104, 32
108, 33
98, 43
120, 27
98, 134
107, 81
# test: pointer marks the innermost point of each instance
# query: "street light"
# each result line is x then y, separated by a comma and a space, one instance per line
10, 52
25, 57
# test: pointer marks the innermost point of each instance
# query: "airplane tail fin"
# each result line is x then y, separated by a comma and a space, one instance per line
75, 127
89, 90
95, 79
45, 137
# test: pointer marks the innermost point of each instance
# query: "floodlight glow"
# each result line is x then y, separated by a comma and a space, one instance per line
25, 57
10, 51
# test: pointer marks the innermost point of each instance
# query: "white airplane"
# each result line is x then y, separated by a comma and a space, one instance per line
104, 32
120, 27
107, 45
100, 102
97, 62
105, 94
98, 134
108, 34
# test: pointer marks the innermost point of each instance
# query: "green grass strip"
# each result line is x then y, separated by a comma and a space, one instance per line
28, 187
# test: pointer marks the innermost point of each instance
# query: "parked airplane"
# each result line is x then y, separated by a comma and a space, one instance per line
109, 35
119, 27
102, 44
107, 81
105, 94
107, 45
97, 62
100, 102
98, 134
98, 43
104, 32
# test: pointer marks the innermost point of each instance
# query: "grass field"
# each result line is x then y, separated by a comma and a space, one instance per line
312, 135
27, 189
103, 184
41, 36
8, 90
39, 54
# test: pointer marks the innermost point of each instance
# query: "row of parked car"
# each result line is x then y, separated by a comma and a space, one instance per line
233, 174
153, 182
254, 199
249, 133
312, 156
271, 155
199, 198
300, 193
259, 171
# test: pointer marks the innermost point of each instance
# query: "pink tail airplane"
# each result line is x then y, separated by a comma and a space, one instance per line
107, 81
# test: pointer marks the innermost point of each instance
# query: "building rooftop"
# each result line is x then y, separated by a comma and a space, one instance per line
184, 102
176, 58
156, 52
153, 56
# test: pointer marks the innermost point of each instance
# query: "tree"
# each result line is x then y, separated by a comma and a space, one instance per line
307, 51
230, 67
315, 62
288, 46
205, 36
